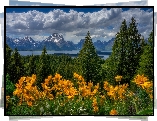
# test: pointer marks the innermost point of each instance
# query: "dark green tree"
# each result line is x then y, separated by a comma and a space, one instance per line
8, 58
31, 67
146, 60
43, 69
10, 87
134, 49
88, 61
64, 67
125, 54
114, 65
16, 67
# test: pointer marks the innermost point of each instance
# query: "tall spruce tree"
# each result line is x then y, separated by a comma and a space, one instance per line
133, 50
125, 54
146, 60
115, 65
42, 68
88, 61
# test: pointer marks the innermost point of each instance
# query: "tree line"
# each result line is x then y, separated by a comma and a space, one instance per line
131, 55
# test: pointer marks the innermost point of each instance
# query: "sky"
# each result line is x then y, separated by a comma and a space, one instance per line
74, 23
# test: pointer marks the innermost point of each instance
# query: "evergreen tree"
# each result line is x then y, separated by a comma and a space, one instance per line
43, 69
133, 50
16, 67
88, 61
125, 54
8, 58
146, 61
31, 68
114, 65
142, 44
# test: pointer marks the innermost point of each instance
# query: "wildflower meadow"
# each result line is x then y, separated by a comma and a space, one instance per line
64, 97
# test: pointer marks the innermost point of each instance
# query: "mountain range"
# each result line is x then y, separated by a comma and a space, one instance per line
54, 42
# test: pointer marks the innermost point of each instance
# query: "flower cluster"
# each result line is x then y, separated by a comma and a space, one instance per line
86, 89
144, 83
61, 86
26, 91
95, 105
117, 92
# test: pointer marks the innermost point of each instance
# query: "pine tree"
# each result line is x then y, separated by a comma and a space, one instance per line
31, 68
16, 67
43, 68
133, 50
88, 61
146, 60
125, 54
115, 64
8, 58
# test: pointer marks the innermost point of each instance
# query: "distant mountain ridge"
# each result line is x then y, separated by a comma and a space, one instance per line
55, 42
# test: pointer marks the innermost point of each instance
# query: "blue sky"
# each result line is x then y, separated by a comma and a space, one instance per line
73, 23
46, 10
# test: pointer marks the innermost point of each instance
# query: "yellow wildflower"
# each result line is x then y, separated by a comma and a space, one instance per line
7, 97
113, 112
140, 79
118, 78
22, 79
146, 85
69, 97
76, 75
95, 107
33, 76
116, 88
29, 103
90, 84
50, 77
57, 76
151, 96
106, 85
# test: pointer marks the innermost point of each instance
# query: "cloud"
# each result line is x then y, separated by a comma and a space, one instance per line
103, 24
143, 18
39, 37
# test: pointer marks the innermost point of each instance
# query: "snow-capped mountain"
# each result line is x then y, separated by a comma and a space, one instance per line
26, 43
55, 37
54, 42
57, 42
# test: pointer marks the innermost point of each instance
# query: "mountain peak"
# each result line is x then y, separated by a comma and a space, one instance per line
55, 37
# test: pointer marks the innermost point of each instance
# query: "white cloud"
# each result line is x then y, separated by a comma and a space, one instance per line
75, 24
39, 37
